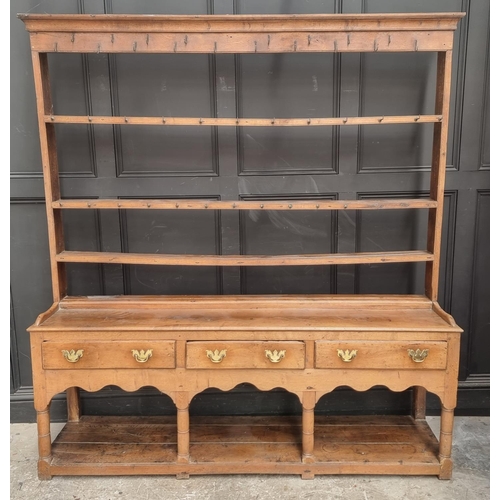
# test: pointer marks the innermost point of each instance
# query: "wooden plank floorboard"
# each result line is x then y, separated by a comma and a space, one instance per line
246, 434
376, 434
374, 452
112, 453
138, 435
369, 440
245, 452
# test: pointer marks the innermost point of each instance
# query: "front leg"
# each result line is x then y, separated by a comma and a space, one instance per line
445, 443
44, 443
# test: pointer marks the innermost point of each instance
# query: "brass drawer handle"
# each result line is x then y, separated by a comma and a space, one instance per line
275, 356
142, 356
72, 356
216, 356
347, 356
419, 355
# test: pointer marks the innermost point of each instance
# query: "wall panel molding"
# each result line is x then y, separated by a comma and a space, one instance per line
478, 338
15, 373
333, 226
126, 237
456, 105
335, 138
484, 161
448, 236
121, 171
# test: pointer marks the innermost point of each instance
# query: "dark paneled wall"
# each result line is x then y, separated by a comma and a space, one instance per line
251, 163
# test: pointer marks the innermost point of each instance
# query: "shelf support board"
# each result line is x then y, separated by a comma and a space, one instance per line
244, 260
159, 204
241, 122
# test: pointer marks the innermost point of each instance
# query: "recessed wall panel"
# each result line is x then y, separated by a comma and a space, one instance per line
288, 233
171, 232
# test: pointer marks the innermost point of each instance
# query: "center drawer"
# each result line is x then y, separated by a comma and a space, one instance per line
399, 355
124, 354
245, 354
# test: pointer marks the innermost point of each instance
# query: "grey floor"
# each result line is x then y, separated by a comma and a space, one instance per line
471, 477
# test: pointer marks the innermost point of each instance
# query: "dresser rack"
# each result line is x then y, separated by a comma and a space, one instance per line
306, 344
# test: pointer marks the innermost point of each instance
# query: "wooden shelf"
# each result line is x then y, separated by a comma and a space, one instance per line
259, 313
239, 445
244, 260
293, 204
242, 122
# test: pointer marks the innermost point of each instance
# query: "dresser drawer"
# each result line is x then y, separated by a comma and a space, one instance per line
123, 354
381, 355
245, 354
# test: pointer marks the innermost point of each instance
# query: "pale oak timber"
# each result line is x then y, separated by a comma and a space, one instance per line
244, 260
246, 355
50, 172
243, 122
438, 172
148, 315
51, 185
251, 301
344, 23
242, 43
158, 204
419, 403
302, 343
105, 355
223, 442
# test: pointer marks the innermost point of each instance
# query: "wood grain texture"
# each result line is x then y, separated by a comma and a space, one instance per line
419, 403
50, 173
242, 122
123, 23
288, 301
105, 355
256, 313
438, 171
244, 260
380, 355
242, 43
254, 322
250, 355
244, 445
73, 404
177, 204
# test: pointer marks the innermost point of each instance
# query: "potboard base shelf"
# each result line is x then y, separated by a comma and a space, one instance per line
232, 445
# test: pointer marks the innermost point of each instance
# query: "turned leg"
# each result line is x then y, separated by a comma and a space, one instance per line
182, 433
44, 443
445, 443
73, 403
308, 404
419, 403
